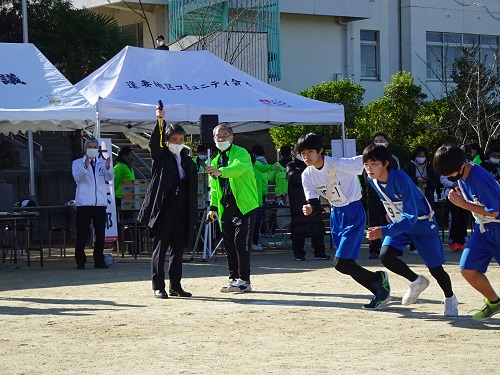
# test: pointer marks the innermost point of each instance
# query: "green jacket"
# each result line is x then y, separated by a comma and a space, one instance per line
261, 180
268, 171
122, 172
239, 171
280, 178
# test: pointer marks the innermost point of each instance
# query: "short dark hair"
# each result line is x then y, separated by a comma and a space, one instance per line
377, 153
381, 134
309, 141
172, 129
160, 37
285, 151
418, 150
494, 148
448, 160
258, 150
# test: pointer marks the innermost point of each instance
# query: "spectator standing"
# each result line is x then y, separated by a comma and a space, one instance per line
303, 226
160, 43
492, 165
92, 175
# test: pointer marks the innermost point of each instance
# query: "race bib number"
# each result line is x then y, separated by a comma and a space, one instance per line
332, 193
394, 210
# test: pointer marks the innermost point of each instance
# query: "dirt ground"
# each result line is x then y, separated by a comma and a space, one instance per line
301, 318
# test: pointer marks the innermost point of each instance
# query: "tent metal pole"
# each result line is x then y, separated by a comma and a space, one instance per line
343, 138
97, 128
31, 153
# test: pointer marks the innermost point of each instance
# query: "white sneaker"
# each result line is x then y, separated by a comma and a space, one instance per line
240, 286
414, 252
257, 248
451, 306
226, 288
416, 287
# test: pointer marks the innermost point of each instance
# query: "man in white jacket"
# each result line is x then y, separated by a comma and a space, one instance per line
92, 175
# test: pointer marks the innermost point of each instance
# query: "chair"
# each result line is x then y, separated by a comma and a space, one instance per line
8, 240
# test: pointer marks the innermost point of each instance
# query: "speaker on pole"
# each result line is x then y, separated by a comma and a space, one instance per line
207, 125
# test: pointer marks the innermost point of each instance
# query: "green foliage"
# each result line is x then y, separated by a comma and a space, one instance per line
345, 92
402, 114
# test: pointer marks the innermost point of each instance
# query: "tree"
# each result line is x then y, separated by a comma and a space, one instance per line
476, 97
76, 41
345, 92
403, 116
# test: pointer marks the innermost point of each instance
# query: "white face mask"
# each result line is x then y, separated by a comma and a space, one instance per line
159, 43
92, 152
202, 157
380, 143
420, 160
175, 149
223, 146
494, 160
299, 157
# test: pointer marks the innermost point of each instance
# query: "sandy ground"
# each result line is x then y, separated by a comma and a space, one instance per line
302, 318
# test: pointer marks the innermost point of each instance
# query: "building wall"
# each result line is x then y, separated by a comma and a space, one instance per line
320, 38
310, 47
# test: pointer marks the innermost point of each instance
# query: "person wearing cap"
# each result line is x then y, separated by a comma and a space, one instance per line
92, 174
170, 205
160, 43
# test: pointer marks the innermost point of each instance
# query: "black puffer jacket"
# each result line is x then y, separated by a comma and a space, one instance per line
302, 225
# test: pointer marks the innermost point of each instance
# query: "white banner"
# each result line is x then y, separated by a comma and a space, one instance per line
111, 219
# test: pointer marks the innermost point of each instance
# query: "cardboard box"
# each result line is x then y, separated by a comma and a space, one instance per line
128, 186
141, 186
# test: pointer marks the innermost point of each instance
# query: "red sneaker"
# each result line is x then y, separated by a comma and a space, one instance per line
460, 247
455, 246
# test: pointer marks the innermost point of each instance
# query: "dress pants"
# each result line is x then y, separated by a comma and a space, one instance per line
237, 234
170, 236
84, 216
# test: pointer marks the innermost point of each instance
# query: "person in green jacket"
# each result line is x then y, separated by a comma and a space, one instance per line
234, 200
123, 171
279, 176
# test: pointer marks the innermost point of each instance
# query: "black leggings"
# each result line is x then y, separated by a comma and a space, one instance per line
390, 258
358, 273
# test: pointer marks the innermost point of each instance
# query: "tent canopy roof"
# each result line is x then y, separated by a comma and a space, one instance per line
127, 88
36, 96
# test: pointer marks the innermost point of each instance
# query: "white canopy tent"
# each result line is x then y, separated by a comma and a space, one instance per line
127, 88
36, 96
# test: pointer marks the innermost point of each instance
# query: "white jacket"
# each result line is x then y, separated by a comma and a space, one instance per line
92, 190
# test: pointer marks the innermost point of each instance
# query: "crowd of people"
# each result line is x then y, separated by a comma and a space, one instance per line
398, 210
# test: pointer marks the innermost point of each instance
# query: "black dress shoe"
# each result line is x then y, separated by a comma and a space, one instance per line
161, 294
80, 266
102, 266
179, 293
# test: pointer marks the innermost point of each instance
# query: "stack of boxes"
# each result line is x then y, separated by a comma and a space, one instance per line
133, 193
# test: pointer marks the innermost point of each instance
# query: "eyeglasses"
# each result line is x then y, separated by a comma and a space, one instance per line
371, 165
222, 137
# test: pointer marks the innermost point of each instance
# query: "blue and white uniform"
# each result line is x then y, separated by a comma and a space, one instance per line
481, 188
337, 181
412, 219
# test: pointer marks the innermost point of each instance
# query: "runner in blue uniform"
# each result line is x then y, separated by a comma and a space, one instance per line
336, 179
479, 193
411, 220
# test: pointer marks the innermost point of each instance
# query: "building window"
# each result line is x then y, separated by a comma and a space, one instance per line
444, 48
369, 54
135, 33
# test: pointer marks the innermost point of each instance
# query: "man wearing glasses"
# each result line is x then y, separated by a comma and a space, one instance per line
234, 199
